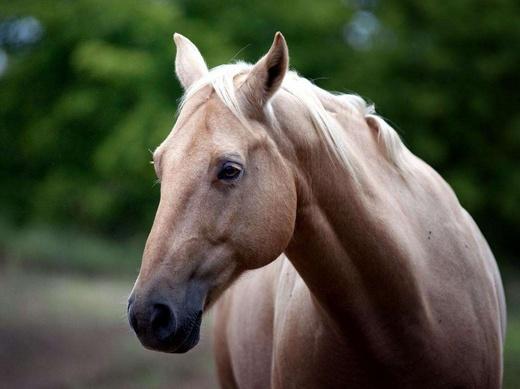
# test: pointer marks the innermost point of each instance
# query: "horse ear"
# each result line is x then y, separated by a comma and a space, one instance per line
189, 64
268, 73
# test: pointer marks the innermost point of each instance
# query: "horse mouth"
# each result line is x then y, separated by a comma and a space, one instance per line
192, 338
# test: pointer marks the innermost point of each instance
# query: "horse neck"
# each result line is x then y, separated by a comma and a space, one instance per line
348, 245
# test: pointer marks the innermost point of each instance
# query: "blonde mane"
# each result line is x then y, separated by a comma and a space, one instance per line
221, 79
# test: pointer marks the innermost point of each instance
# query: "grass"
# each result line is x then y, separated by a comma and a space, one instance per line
60, 330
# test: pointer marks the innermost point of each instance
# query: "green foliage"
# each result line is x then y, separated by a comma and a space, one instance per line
81, 107
44, 248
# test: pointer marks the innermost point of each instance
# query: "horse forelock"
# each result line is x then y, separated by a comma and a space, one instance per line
222, 80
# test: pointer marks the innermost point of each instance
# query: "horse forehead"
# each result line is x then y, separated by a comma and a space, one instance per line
219, 117
222, 129
190, 136
207, 114
205, 124
228, 131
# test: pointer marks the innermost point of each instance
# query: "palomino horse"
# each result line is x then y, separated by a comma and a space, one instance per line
387, 280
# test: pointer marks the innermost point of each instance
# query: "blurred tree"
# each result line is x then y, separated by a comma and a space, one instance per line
89, 89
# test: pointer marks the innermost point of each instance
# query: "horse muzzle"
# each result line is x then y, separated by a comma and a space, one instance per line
162, 324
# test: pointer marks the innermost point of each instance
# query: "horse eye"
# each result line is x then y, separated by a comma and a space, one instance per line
230, 171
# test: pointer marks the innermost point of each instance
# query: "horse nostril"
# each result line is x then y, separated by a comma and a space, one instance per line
132, 318
162, 321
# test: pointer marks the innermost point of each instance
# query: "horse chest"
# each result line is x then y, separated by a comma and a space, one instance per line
279, 338
307, 353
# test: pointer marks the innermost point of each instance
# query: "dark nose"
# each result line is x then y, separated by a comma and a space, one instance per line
154, 325
162, 322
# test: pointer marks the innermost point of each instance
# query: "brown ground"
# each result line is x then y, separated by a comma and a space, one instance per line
68, 331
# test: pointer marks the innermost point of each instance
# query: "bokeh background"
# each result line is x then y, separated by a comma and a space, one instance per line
87, 89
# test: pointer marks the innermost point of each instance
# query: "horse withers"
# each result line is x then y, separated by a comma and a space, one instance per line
385, 280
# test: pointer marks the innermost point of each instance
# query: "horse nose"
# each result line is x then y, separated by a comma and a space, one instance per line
162, 322
154, 323
165, 321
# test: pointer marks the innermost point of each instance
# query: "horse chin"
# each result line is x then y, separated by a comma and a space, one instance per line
190, 343
191, 340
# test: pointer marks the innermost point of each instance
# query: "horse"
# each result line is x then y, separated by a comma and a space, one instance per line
333, 256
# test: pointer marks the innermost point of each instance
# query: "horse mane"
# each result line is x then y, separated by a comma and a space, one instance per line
221, 79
